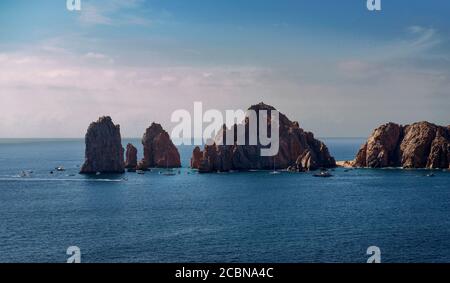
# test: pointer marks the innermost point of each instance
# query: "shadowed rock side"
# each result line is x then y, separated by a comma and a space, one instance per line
131, 157
420, 145
298, 151
104, 151
159, 150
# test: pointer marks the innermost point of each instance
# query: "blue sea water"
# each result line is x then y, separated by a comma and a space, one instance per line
232, 217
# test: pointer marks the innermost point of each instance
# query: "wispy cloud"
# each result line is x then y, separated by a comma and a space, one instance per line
426, 37
91, 14
58, 96
113, 12
54, 89
98, 56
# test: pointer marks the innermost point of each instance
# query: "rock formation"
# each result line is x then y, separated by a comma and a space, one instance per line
104, 151
131, 158
197, 156
420, 145
298, 150
159, 150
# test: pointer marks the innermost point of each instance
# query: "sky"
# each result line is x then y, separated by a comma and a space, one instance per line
333, 66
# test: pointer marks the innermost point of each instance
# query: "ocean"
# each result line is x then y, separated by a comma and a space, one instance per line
228, 217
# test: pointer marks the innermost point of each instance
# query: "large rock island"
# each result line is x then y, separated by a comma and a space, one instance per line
104, 151
420, 145
159, 150
298, 150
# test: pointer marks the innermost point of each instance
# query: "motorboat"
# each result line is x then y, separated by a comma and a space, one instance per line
323, 174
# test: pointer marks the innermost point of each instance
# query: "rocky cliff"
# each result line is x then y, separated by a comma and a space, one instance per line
159, 150
420, 145
104, 151
298, 150
131, 157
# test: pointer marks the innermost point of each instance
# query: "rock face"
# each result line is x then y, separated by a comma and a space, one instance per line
104, 151
382, 148
298, 150
420, 145
159, 150
197, 156
131, 157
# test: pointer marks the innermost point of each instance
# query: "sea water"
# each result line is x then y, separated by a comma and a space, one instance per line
229, 217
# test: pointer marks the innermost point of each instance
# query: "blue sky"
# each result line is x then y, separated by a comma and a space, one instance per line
337, 68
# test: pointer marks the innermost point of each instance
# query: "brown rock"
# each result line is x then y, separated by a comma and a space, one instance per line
104, 151
131, 157
420, 145
439, 156
159, 150
298, 150
381, 149
196, 157
416, 145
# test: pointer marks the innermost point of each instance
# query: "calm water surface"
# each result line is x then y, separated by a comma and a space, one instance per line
233, 217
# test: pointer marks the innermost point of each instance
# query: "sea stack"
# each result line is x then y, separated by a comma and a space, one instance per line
420, 145
104, 151
159, 150
298, 150
131, 158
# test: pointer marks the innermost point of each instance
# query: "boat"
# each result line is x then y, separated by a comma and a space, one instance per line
140, 172
24, 174
430, 175
60, 169
323, 174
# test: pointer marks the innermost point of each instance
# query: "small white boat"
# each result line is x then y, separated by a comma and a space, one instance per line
140, 172
323, 174
60, 169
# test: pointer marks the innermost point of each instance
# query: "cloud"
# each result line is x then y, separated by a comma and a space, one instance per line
51, 91
426, 37
98, 56
45, 95
90, 14
112, 12
411, 51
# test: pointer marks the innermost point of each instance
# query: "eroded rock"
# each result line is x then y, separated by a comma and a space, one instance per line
159, 150
298, 150
419, 145
131, 157
104, 151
